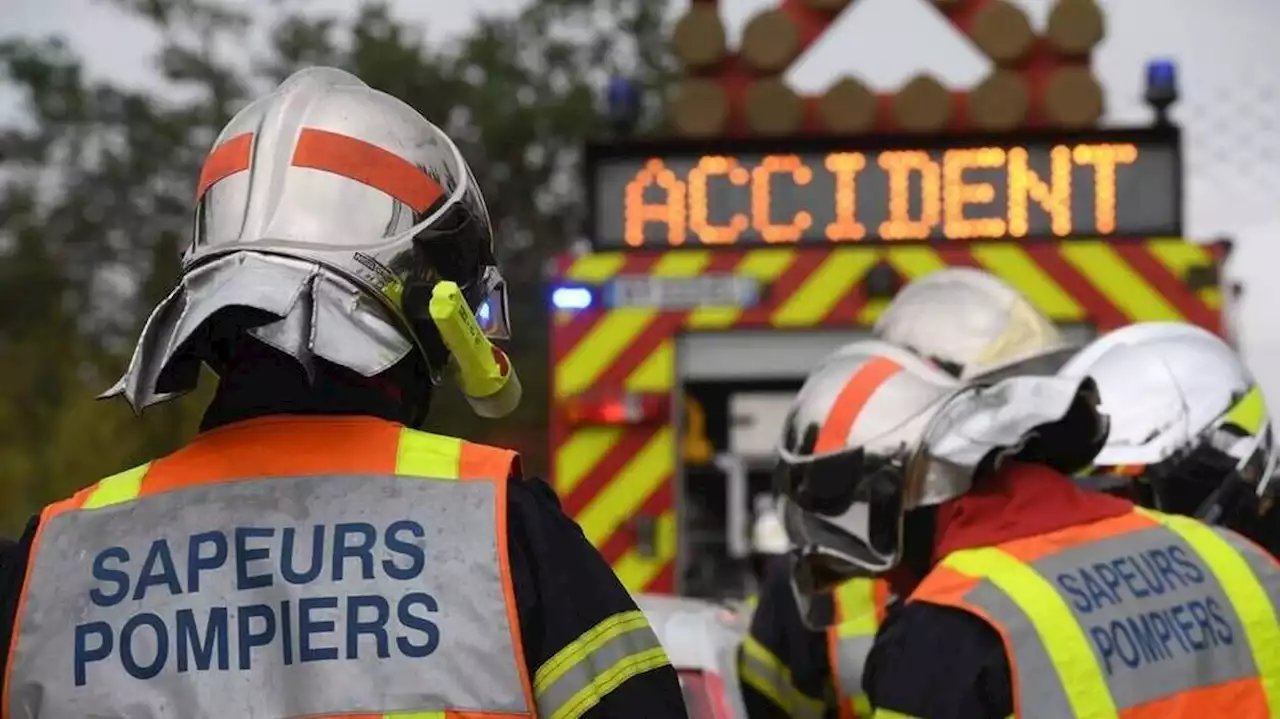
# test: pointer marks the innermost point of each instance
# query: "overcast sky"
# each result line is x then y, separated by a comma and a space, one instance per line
1227, 52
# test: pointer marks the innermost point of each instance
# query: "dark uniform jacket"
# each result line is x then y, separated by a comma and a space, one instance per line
562, 586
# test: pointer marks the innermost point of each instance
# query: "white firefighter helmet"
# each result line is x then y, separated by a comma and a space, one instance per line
325, 214
877, 431
1187, 416
971, 323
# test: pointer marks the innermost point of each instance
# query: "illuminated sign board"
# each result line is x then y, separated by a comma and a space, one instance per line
724, 193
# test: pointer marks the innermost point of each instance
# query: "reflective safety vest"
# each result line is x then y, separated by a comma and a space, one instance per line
293, 567
1141, 616
859, 610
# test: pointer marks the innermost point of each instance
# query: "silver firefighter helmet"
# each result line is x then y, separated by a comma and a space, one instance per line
877, 431
971, 323
325, 213
1188, 419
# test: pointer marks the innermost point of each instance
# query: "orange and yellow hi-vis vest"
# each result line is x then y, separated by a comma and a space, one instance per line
313, 567
1140, 616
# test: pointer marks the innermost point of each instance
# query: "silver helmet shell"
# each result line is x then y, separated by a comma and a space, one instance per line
1170, 388
325, 207
969, 322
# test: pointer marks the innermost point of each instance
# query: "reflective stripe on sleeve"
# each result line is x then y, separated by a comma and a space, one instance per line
891, 714
1244, 573
596, 663
117, 489
1061, 636
767, 674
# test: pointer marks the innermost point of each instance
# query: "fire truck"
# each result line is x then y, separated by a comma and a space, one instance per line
768, 229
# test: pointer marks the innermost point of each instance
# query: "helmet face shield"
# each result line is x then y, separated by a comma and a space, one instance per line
860, 532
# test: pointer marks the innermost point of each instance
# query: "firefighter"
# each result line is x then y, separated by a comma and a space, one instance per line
968, 323
1027, 595
308, 554
1190, 430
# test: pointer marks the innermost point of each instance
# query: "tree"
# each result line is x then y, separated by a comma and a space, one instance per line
95, 201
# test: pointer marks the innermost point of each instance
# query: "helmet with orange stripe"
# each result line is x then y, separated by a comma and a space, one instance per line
325, 214
877, 432
969, 322
1190, 430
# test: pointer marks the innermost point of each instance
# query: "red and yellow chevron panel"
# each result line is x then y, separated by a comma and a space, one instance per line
608, 476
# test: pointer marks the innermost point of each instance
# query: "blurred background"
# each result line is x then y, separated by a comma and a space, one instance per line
107, 108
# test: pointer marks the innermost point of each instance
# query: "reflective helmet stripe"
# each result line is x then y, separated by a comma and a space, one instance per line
367, 164
225, 160
853, 397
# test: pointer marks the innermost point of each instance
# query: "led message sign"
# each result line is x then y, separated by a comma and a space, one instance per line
1097, 185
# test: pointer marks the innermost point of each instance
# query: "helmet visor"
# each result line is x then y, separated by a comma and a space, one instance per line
846, 507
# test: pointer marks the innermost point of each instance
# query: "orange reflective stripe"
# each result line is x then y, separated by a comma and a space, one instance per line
1029, 549
367, 164
880, 595
225, 160
286, 446
852, 398
1238, 698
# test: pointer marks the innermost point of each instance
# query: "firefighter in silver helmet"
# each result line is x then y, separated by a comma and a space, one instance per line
309, 553
1190, 430
1022, 589
971, 323
967, 323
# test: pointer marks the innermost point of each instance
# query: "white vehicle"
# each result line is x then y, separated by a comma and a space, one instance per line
702, 639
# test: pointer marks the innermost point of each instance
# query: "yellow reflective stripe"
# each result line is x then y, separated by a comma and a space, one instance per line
1013, 265
1119, 282
773, 679
581, 452
1062, 636
596, 268
1249, 598
616, 676
584, 645
822, 290
415, 715
1250, 412
422, 454
856, 604
117, 489
891, 714
618, 648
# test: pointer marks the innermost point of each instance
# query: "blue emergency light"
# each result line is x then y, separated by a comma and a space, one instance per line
1162, 76
483, 314
622, 104
1162, 88
571, 298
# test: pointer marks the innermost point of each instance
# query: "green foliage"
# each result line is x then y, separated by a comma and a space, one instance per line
97, 182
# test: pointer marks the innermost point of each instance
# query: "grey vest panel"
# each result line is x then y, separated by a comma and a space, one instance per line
271, 599
851, 656
1154, 616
